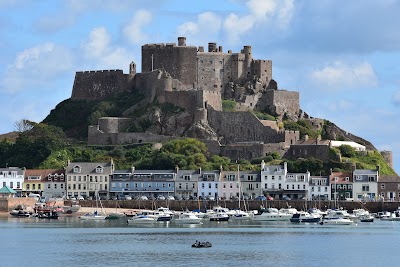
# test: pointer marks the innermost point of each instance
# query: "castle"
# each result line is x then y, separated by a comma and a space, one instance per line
198, 82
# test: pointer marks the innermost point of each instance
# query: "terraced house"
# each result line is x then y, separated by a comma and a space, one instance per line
12, 177
87, 179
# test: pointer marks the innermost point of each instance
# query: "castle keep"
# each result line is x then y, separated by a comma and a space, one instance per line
198, 82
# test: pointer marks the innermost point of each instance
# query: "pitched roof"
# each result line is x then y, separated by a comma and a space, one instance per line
43, 174
7, 190
389, 179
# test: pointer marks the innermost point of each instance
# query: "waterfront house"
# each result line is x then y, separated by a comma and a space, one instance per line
152, 183
208, 184
186, 184
120, 183
296, 185
365, 184
341, 185
389, 188
87, 179
230, 185
319, 188
48, 183
251, 183
273, 179
12, 177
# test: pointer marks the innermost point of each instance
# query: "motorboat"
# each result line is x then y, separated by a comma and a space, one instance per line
337, 217
366, 218
271, 214
188, 218
140, 218
240, 215
304, 217
333, 214
394, 216
219, 217
20, 213
48, 215
199, 244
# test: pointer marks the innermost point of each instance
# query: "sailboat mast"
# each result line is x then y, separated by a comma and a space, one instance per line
238, 176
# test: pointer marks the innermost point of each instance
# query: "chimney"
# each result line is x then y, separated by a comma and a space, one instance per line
199, 170
262, 165
305, 137
132, 169
181, 41
353, 167
176, 168
378, 169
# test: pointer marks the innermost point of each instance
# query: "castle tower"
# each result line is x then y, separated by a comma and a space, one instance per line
181, 41
388, 156
132, 68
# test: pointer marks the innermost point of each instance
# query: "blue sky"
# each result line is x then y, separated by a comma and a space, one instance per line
341, 57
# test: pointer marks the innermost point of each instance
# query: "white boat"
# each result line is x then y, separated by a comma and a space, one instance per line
367, 218
337, 221
342, 214
337, 217
393, 217
240, 215
140, 218
188, 218
272, 214
219, 217
93, 216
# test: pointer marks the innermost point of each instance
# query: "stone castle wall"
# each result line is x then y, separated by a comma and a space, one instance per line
321, 152
100, 84
280, 102
242, 127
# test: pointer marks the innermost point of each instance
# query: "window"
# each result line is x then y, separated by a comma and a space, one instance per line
27, 186
312, 189
39, 187
365, 188
77, 169
99, 169
298, 186
62, 186
371, 179
18, 184
279, 186
216, 185
230, 185
126, 185
336, 179
33, 186
293, 186
273, 177
112, 185
347, 179
358, 177
382, 186
48, 186
266, 186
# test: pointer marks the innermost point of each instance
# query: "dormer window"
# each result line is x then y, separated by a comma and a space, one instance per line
77, 169
99, 169
62, 177
347, 179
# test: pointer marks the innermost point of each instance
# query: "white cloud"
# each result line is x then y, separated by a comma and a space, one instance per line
133, 30
101, 53
36, 66
260, 12
396, 98
207, 21
339, 76
98, 42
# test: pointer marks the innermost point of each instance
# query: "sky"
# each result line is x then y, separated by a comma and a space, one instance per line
342, 56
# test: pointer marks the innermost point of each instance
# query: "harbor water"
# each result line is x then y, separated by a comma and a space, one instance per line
71, 242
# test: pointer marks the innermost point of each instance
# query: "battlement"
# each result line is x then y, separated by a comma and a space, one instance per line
100, 71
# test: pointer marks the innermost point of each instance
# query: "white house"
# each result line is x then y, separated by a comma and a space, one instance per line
12, 177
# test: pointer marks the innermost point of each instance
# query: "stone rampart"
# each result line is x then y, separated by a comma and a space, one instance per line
236, 127
92, 85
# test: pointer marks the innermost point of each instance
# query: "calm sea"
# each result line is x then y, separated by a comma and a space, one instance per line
71, 242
